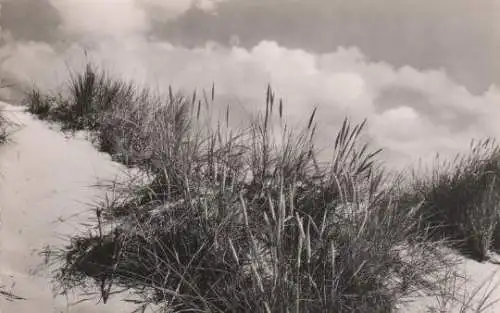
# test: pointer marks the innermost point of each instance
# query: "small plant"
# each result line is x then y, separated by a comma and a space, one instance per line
38, 104
9, 296
3, 131
111, 110
5, 125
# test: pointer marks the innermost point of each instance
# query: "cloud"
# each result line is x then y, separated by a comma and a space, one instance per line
161, 11
102, 18
43, 19
459, 35
411, 112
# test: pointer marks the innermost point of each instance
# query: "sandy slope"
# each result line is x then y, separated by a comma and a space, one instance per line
481, 279
43, 177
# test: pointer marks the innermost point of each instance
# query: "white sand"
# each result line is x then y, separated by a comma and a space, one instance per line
481, 279
43, 177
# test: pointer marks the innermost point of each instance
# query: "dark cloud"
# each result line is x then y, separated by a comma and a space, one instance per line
461, 36
30, 20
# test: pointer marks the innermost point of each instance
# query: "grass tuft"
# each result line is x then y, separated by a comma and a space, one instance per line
461, 199
250, 220
5, 127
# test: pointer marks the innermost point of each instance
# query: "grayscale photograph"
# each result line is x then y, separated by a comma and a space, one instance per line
249, 156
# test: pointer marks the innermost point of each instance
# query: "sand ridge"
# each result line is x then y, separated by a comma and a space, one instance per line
44, 177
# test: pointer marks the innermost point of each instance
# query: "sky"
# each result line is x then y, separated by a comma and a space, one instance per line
424, 72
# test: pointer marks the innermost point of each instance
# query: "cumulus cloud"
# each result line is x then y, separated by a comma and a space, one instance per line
412, 113
459, 35
102, 18
43, 19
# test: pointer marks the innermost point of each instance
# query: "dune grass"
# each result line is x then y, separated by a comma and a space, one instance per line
461, 197
249, 219
3, 128
6, 125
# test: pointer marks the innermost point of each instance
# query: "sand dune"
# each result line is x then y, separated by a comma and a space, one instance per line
43, 177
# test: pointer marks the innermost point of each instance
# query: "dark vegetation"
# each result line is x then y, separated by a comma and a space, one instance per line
3, 128
461, 199
249, 219
3, 121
